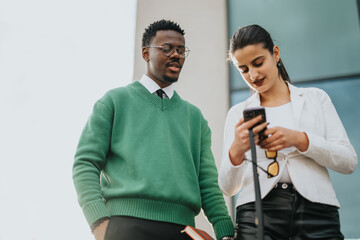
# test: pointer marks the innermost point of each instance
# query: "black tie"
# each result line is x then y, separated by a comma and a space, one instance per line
160, 93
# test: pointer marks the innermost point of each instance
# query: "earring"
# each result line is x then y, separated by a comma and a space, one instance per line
279, 65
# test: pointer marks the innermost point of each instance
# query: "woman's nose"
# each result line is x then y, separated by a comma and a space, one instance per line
253, 74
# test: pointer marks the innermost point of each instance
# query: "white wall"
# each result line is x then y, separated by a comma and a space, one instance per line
56, 59
204, 77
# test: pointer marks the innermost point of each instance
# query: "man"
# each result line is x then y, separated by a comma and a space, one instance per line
144, 168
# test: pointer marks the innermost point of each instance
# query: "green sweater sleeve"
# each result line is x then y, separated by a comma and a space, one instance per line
211, 196
90, 158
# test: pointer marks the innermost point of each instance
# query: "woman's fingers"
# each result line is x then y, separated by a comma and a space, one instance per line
252, 122
259, 128
241, 121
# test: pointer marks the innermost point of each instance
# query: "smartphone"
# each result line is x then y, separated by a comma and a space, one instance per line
250, 113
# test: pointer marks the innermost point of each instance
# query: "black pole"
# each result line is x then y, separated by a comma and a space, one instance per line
259, 220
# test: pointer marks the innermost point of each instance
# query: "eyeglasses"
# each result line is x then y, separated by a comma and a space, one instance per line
168, 50
273, 168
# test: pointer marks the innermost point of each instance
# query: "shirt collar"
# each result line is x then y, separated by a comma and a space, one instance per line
152, 86
294, 92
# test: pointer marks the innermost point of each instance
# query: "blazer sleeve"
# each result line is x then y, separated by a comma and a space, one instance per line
333, 150
230, 176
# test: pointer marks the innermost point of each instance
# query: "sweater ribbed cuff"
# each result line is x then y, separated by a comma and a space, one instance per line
224, 228
94, 211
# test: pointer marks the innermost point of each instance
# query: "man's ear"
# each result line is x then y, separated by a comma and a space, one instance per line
145, 54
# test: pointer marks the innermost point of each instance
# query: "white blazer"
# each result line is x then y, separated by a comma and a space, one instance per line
329, 147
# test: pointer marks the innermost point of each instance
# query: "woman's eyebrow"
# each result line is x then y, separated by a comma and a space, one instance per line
253, 61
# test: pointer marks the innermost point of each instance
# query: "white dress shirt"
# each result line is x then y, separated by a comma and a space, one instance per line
152, 86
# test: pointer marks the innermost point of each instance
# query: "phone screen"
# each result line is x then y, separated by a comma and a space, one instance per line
250, 113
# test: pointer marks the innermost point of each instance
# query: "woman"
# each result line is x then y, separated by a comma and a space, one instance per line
305, 138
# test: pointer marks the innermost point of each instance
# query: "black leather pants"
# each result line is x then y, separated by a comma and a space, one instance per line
287, 215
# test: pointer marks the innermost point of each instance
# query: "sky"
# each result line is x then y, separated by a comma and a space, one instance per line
56, 59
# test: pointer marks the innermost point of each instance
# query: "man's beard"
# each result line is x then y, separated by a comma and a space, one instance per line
167, 79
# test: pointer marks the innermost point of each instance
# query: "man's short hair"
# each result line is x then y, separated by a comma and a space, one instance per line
151, 30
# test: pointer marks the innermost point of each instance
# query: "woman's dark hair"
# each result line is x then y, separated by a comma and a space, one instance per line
254, 34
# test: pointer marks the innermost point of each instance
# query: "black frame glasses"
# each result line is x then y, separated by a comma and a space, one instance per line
273, 168
168, 50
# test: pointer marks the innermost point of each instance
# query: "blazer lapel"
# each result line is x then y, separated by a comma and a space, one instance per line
297, 100
252, 101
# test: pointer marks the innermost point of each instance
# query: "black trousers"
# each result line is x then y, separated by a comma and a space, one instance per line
131, 228
287, 215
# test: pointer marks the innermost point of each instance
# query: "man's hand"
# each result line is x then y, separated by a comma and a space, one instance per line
99, 231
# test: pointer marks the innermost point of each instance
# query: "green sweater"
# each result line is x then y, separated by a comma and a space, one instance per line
147, 157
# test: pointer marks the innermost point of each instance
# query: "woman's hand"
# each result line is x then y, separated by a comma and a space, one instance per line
241, 143
280, 138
